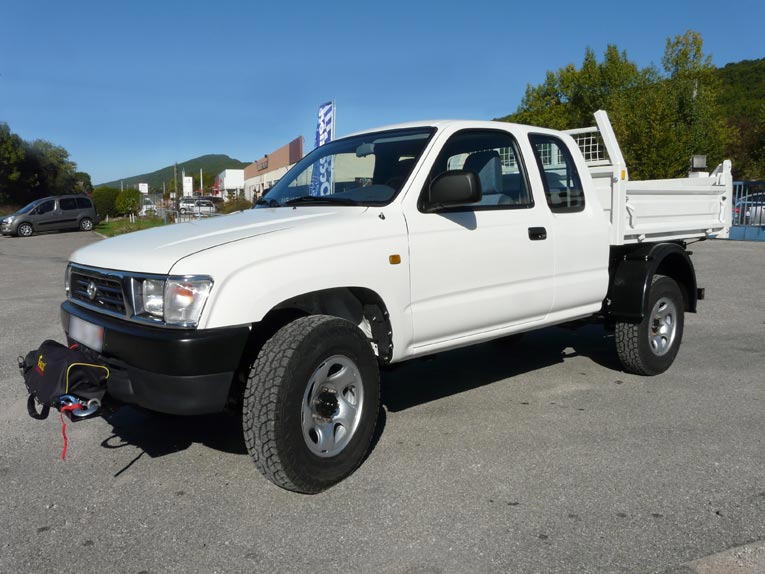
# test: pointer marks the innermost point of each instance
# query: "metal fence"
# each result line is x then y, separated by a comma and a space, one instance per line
749, 203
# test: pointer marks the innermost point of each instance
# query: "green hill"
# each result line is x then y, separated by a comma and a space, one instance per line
211, 165
743, 86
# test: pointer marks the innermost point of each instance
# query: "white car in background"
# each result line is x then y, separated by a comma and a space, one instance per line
196, 207
148, 207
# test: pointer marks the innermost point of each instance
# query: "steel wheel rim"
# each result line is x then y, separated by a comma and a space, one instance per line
663, 328
332, 406
25, 230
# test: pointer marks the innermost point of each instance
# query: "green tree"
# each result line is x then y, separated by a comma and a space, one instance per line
13, 177
83, 182
128, 201
660, 119
105, 200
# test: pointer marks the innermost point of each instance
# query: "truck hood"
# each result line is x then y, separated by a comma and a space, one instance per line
156, 250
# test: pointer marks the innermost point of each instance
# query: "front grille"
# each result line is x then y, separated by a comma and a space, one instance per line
108, 292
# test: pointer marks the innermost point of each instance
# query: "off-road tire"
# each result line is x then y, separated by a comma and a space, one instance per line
273, 398
633, 339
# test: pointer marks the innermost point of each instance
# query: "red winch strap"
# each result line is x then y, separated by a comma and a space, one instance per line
66, 409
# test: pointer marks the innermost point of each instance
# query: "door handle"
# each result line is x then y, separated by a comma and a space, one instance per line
537, 233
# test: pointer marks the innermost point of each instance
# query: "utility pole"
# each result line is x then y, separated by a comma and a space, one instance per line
201, 183
175, 179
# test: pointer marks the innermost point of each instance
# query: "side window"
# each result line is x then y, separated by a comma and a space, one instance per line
494, 156
84, 203
563, 188
68, 203
46, 207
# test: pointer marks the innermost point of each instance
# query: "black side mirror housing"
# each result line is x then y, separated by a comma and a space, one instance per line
453, 189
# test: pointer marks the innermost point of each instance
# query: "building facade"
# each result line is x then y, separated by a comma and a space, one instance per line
229, 183
262, 175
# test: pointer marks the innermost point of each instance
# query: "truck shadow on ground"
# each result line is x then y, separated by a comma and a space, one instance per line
412, 383
424, 380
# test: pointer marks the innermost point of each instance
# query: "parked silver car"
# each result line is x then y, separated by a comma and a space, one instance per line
196, 206
51, 213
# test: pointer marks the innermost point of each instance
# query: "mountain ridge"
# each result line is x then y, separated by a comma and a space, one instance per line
210, 164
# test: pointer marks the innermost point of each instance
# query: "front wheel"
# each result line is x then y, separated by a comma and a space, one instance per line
650, 347
311, 403
25, 230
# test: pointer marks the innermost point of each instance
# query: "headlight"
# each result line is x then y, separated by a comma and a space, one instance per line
175, 301
153, 294
184, 300
7, 220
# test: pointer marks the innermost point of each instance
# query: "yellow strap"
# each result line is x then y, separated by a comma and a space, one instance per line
66, 391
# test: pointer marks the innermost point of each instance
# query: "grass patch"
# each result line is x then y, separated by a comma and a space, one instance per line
122, 226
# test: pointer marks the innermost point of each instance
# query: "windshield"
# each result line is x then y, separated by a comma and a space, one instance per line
29, 207
369, 169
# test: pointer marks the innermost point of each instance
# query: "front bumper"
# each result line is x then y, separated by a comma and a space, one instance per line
8, 228
176, 371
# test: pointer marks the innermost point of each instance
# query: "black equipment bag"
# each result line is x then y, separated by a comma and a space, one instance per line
55, 370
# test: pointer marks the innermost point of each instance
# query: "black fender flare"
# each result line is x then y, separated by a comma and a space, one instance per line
632, 277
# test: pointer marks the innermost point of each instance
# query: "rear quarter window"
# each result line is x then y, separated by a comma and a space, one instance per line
562, 185
67, 203
84, 203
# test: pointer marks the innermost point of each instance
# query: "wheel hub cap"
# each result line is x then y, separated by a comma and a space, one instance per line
663, 329
325, 405
332, 406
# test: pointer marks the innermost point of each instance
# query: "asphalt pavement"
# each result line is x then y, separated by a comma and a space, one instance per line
540, 457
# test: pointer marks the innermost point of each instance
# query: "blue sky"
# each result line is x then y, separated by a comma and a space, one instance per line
131, 87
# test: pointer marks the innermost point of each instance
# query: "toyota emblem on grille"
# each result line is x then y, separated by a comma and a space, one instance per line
92, 290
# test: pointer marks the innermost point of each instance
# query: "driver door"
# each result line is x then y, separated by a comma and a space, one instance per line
46, 217
485, 267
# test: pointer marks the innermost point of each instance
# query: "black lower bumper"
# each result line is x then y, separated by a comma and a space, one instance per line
176, 371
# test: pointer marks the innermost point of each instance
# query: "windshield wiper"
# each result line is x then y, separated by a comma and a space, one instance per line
268, 202
327, 199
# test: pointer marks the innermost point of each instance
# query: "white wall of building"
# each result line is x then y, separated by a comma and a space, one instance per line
255, 186
231, 182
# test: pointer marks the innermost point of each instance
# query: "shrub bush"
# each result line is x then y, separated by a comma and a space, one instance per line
105, 200
233, 205
128, 201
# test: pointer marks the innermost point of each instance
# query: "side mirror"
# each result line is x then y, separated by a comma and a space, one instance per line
453, 189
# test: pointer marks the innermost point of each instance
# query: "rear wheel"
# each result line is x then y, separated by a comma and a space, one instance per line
311, 403
25, 230
86, 224
650, 347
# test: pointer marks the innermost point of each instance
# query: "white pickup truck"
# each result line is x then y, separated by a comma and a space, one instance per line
380, 247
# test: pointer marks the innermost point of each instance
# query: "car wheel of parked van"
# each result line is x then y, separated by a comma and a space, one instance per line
650, 347
311, 403
25, 230
86, 224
